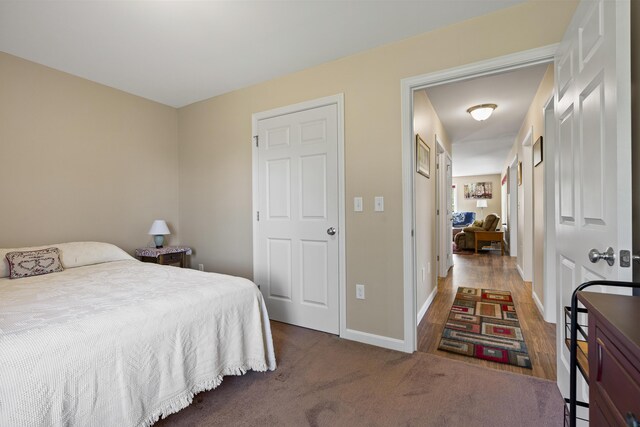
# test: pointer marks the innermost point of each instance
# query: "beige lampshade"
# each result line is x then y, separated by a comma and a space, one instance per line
481, 203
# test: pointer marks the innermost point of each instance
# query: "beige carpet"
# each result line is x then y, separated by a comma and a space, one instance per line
322, 380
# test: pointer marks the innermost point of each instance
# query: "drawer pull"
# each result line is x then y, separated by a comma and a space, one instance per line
632, 421
599, 375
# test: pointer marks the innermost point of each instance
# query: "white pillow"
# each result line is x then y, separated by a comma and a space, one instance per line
74, 254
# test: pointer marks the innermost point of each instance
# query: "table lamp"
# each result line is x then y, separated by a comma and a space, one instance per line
159, 229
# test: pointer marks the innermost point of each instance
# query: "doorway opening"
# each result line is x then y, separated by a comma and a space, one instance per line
413, 270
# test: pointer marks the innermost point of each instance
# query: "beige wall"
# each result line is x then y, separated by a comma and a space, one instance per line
81, 161
215, 150
494, 205
635, 130
427, 124
532, 209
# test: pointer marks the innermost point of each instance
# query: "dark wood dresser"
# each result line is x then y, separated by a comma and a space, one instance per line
614, 358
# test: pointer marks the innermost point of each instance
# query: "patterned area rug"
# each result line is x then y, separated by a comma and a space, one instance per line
483, 324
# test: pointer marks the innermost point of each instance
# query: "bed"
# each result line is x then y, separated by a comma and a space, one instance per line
114, 341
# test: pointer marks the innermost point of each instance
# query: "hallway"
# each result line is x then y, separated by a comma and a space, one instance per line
491, 271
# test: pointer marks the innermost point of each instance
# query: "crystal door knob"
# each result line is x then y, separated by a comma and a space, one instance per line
331, 231
608, 255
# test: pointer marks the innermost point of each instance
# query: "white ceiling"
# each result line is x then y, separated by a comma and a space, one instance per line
180, 52
481, 148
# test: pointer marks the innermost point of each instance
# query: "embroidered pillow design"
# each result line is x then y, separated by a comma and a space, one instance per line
34, 263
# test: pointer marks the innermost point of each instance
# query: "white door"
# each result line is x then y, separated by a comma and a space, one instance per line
448, 179
593, 156
444, 181
296, 261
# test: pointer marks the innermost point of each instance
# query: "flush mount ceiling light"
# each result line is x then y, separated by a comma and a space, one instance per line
482, 112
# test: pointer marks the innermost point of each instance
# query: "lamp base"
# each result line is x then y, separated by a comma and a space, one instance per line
159, 240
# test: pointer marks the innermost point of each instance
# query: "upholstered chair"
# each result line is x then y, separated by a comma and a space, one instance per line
466, 239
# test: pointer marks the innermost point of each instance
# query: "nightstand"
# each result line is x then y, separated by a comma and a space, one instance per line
168, 255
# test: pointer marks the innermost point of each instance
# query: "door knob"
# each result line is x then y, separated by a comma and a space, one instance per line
331, 231
608, 255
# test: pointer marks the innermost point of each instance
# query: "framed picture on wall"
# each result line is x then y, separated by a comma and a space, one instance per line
423, 154
478, 190
537, 152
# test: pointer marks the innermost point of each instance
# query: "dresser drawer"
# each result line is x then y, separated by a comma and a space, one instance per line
616, 379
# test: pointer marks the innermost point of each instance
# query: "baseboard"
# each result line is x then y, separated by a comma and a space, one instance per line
425, 306
520, 272
538, 303
373, 339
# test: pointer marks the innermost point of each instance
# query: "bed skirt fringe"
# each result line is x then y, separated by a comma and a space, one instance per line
185, 398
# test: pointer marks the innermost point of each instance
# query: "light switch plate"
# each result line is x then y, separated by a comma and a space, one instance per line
378, 204
357, 204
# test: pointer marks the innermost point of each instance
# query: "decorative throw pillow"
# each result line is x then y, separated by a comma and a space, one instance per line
34, 263
458, 217
477, 223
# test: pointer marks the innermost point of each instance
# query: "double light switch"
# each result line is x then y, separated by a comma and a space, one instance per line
378, 204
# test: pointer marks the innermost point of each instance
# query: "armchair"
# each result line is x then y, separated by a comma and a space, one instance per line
466, 238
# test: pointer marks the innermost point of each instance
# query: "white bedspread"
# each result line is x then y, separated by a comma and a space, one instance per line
122, 343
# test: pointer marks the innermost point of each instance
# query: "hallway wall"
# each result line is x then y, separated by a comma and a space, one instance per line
427, 124
530, 214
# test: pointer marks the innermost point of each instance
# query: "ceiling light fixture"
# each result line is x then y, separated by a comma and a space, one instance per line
482, 112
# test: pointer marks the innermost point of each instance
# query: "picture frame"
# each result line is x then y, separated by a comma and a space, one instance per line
537, 152
478, 190
423, 157
519, 174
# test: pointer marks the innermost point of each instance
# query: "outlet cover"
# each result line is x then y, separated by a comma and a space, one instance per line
360, 291
201, 267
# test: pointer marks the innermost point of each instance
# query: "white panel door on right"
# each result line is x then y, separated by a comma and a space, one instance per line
593, 156
297, 253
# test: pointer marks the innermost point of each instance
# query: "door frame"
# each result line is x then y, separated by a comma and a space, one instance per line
443, 232
550, 301
338, 101
513, 210
526, 205
408, 85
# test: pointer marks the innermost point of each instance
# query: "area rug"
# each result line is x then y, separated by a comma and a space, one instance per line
483, 324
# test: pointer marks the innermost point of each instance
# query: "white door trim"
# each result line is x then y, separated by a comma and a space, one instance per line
443, 232
407, 87
549, 276
513, 210
526, 204
337, 100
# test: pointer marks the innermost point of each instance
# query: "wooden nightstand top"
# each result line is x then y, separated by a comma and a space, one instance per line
156, 252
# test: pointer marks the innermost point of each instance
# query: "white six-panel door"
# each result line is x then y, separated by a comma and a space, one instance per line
593, 155
448, 176
296, 263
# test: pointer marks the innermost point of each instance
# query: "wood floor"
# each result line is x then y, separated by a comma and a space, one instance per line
491, 271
